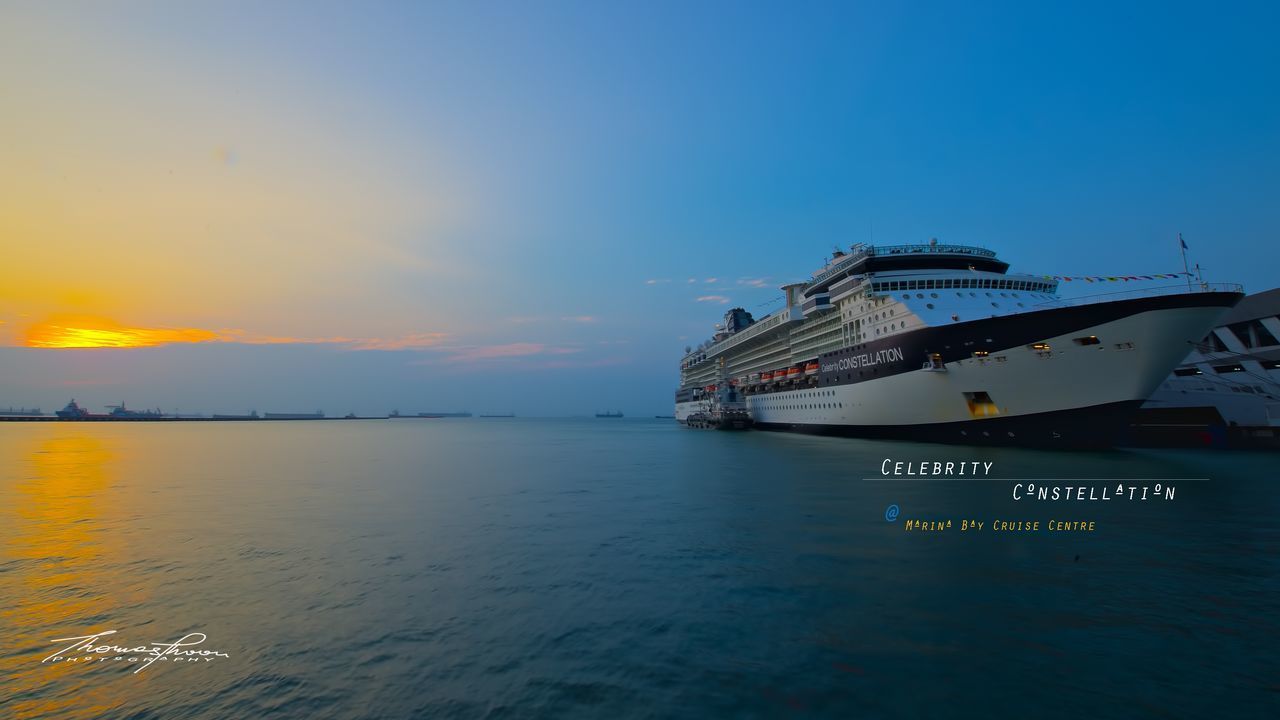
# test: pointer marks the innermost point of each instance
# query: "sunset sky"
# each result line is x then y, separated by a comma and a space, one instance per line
535, 206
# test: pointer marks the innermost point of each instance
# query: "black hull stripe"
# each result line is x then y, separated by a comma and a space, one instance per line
959, 341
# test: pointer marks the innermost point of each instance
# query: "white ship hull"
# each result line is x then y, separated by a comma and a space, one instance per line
685, 409
1226, 393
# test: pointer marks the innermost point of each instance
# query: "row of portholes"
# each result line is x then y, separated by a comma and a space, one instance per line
900, 326
813, 406
920, 296
807, 406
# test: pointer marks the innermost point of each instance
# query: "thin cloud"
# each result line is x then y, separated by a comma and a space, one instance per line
713, 298
580, 318
754, 282
509, 350
570, 363
711, 280
413, 341
657, 281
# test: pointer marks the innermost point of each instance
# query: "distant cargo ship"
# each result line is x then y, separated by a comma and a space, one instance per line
251, 416
444, 414
20, 411
317, 415
608, 414
505, 415
73, 411
123, 413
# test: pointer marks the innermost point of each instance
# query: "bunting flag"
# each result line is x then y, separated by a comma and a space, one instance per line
1116, 278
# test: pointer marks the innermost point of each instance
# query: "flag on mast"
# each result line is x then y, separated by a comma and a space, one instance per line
1186, 270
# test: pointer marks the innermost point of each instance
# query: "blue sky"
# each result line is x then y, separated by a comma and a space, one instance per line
483, 191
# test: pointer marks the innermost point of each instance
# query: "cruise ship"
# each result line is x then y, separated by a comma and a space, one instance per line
941, 343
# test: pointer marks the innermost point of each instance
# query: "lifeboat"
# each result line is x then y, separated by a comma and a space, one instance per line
710, 388
793, 373
811, 368
766, 376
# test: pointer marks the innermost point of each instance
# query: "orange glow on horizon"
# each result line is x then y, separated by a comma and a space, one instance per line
99, 333
96, 332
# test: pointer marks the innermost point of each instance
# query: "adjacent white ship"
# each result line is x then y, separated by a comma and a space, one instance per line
1227, 391
941, 343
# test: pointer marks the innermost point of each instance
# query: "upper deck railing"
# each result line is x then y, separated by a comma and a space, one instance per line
861, 253
1195, 287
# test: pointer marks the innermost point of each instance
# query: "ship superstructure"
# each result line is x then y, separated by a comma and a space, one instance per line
1227, 390
941, 342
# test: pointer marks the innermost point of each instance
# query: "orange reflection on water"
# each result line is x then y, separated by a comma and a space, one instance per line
56, 551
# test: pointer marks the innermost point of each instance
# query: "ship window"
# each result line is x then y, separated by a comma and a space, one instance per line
1241, 331
929, 305
933, 295
920, 296
1087, 340
1237, 367
1271, 365
1185, 372
1262, 335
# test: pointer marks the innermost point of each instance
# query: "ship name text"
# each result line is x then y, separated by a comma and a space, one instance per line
868, 359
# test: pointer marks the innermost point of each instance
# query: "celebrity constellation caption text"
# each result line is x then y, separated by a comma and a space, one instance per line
1073, 490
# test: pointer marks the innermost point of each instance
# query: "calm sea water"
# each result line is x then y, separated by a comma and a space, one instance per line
619, 568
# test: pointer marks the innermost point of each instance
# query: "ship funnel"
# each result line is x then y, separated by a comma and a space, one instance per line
793, 293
